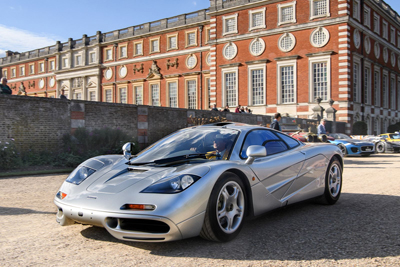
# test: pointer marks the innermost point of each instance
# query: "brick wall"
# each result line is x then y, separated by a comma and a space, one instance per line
39, 123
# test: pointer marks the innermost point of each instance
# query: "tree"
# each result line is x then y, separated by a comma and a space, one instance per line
360, 128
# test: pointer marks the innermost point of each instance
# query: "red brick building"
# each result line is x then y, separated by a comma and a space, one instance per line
269, 55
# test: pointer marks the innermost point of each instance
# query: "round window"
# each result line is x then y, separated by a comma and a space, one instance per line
52, 82
257, 47
41, 84
385, 54
367, 44
230, 51
123, 71
377, 50
208, 60
191, 61
356, 38
319, 37
108, 73
393, 59
286, 42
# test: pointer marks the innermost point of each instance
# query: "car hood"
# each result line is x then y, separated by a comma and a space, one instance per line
123, 176
355, 141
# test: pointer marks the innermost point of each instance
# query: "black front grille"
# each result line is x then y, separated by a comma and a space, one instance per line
354, 149
140, 225
367, 148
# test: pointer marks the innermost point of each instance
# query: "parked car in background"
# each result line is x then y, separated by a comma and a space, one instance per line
202, 180
391, 137
350, 146
389, 142
311, 137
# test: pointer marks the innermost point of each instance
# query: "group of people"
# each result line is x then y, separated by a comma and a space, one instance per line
239, 109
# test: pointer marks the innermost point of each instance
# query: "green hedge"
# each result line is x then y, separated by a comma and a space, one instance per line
360, 128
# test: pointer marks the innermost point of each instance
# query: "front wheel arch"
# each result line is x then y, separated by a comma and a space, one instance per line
249, 196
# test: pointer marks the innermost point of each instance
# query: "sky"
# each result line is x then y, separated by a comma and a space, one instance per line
27, 24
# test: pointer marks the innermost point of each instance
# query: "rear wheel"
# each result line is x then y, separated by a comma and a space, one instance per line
225, 210
380, 147
333, 183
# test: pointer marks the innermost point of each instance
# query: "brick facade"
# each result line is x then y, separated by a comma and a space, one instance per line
272, 56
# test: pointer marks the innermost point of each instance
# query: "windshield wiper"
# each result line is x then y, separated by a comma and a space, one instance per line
176, 159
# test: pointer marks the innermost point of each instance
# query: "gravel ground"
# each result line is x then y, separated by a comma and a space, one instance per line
362, 229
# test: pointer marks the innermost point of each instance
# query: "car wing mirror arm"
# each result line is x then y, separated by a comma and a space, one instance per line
254, 152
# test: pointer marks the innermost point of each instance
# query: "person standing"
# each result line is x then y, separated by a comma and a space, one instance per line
321, 127
214, 108
62, 96
226, 109
275, 124
237, 110
4, 88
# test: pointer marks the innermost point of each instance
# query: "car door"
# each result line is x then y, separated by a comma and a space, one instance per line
279, 169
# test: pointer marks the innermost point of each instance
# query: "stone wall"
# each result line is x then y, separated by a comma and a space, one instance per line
39, 123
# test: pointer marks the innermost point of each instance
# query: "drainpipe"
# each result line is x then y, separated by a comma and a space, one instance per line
201, 67
115, 73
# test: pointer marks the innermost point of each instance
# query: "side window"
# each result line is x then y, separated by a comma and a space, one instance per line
274, 147
292, 143
257, 137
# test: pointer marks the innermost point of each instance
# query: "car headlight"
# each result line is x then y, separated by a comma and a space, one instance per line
172, 185
80, 174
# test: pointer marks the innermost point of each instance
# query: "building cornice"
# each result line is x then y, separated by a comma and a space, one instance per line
30, 77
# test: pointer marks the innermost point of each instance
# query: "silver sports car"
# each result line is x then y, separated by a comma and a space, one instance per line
202, 180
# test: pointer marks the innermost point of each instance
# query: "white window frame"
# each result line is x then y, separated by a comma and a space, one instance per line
312, 10
135, 50
41, 67
291, 36
90, 92
251, 22
377, 87
356, 88
226, 47
106, 58
224, 19
311, 62
52, 68
151, 93
392, 35
250, 68
224, 94
108, 89
120, 47
377, 50
187, 61
262, 42
356, 10
367, 16
282, 6
279, 65
325, 31
120, 88
187, 80
169, 37
377, 23
367, 83
31, 68
385, 29
76, 60
13, 72
385, 89
168, 83
187, 44
137, 90
392, 92
94, 57
5, 74
22, 71
152, 48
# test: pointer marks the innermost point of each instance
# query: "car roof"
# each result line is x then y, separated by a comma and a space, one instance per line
234, 126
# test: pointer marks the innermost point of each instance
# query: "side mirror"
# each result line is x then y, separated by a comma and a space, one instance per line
128, 149
254, 152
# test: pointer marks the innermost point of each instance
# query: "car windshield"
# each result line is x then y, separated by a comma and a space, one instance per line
189, 142
340, 136
394, 136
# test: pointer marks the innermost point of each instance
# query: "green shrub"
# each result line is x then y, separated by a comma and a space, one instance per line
393, 128
360, 128
9, 155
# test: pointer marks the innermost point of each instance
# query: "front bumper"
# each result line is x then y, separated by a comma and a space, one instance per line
360, 150
133, 226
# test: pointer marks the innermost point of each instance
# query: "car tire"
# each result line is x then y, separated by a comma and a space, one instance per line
62, 219
343, 149
380, 147
333, 183
225, 210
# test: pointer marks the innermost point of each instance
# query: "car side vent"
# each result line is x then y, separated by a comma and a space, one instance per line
137, 170
219, 124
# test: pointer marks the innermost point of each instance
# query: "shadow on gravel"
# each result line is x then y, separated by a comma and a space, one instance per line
19, 211
358, 226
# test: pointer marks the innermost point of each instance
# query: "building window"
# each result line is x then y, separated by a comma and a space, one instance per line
392, 96
191, 61
319, 79
319, 8
208, 35
123, 51
286, 42
356, 38
398, 94
385, 54
257, 47
172, 42
208, 59
367, 17
92, 96
393, 35
398, 40
13, 73
41, 66
376, 23
52, 65
191, 94
22, 71
5, 73
377, 50
356, 9
138, 95
385, 30
77, 96
257, 19
287, 72
92, 57
65, 63
229, 85
356, 82
286, 13
230, 51
191, 38
208, 84
31, 69
78, 60
122, 95
154, 46
367, 82
109, 54
377, 89
393, 59
230, 24
257, 84
319, 37
367, 44
109, 95
173, 94
77, 83
385, 84
138, 49
155, 94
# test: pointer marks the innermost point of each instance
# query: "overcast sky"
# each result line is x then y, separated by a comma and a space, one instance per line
27, 24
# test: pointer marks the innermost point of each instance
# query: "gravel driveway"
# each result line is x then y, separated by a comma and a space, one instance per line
362, 229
